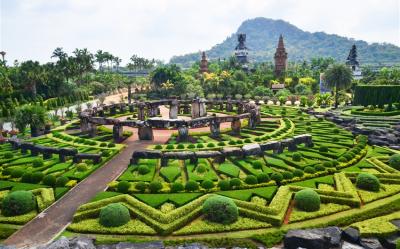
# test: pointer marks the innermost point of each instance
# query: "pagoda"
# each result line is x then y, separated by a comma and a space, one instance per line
353, 63
241, 51
280, 58
203, 63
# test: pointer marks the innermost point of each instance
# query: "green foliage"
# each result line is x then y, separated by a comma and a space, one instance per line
207, 184
143, 169
250, 179
49, 180
224, 185
368, 182
296, 156
16, 172
309, 170
176, 187
17, 203
394, 161
220, 209
141, 186
191, 186
298, 173
307, 200
8, 155
376, 95
323, 149
61, 181
257, 164
277, 177
155, 186
81, 167
287, 175
38, 162
37, 177
114, 215
123, 187
201, 168
262, 177
236, 182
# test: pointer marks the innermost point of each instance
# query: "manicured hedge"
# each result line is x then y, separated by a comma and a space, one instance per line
376, 95
220, 209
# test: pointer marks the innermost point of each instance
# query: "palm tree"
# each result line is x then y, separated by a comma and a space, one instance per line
338, 77
32, 73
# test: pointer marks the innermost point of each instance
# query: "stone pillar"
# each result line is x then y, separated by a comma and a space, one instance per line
221, 105
145, 133
92, 130
84, 125
215, 128
229, 106
47, 155
135, 160
195, 108
253, 119
122, 108
236, 126
292, 146
186, 109
173, 109
183, 134
113, 110
76, 159
152, 111
164, 162
239, 108
131, 108
24, 150
278, 150
194, 160
202, 108
62, 158
141, 114
101, 113
118, 133
34, 152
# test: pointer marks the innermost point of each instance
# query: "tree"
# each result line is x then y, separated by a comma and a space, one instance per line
32, 74
338, 77
32, 115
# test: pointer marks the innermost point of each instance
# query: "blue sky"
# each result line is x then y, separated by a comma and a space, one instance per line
32, 29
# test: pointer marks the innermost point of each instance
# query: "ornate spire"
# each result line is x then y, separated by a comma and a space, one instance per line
352, 57
280, 58
203, 63
241, 49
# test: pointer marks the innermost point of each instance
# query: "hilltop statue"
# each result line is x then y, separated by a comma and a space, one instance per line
241, 50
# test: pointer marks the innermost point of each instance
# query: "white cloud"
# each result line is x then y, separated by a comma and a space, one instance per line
163, 28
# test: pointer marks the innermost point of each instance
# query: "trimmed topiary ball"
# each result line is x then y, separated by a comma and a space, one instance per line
298, 172
262, 177
143, 169
141, 186
220, 209
61, 181
207, 184
323, 149
309, 170
224, 185
307, 200
296, 156
114, 215
201, 169
257, 164
235, 182
287, 175
17, 203
26, 177
250, 179
38, 162
368, 182
176, 187
394, 161
277, 177
37, 177
191, 185
8, 155
49, 180
17, 172
155, 186
81, 167
123, 187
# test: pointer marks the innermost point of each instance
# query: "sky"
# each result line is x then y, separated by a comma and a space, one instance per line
32, 29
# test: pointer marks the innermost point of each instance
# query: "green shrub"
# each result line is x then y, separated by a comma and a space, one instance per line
247, 140
309, 129
191, 185
327, 164
170, 147
277, 177
143, 169
221, 143
235, 182
176, 187
103, 144
8, 155
17, 203
287, 175
307, 200
231, 142
111, 145
220, 209
336, 131
81, 167
262, 177
26, 177
200, 146
114, 215
158, 147
368, 182
141, 186
123, 187
296, 156
49, 180
298, 172
210, 145
309, 170
38, 162
207, 184
319, 167
224, 185
239, 142
61, 181
257, 164
105, 153
201, 169
180, 146
394, 161
37, 177
191, 146
323, 149
155, 186
250, 179
342, 159
16, 172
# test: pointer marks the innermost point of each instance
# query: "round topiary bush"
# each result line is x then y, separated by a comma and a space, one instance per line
105, 153
49, 180
8, 155
191, 185
114, 215
201, 169
287, 175
207, 184
262, 177
309, 170
327, 164
298, 172
37, 177
191, 146
307, 200
277, 177
155, 186
26, 177
111, 145
170, 147
257, 164
158, 147
296, 156
143, 169
394, 161
210, 145
336, 131
17, 203
200, 146
61, 181
308, 129
335, 139
81, 167
319, 167
180, 146
235, 182
123, 187
323, 149
38, 162
176, 187
368, 182
250, 179
220, 209
141, 186
224, 185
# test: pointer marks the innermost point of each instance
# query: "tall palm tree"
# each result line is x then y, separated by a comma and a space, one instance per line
338, 77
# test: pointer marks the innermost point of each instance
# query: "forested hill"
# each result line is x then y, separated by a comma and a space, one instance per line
262, 38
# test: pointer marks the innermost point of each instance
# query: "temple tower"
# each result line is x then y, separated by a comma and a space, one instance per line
353, 63
280, 58
203, 63
241, 50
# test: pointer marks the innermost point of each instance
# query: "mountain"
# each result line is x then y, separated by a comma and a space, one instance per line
262, 38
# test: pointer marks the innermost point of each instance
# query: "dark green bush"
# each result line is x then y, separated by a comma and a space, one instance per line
309, 129
26, 177
368, 182
231, 142
123, 187
37, 177
287, 175
111, 145
323, 149
327, 164
191, 146
250, 179
235, 182
224, 185
277, 177
191, 185
17, 203
210, 145
49, 180
8, 155
262, 177
307, 200
141, 186
114, 215
342, 159
296, 156
170, 147
298, 172
16, 172
257, 164
143, 169
336, 131
207, 184
201, 169
220, 209
394, 161
180, 146
176, 187
309, 170
103, 144
319, 167
81, 167
158, 147
200, 146
105, 153
155, 186
61, 181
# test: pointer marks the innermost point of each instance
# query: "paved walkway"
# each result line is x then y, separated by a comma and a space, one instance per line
52, 221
